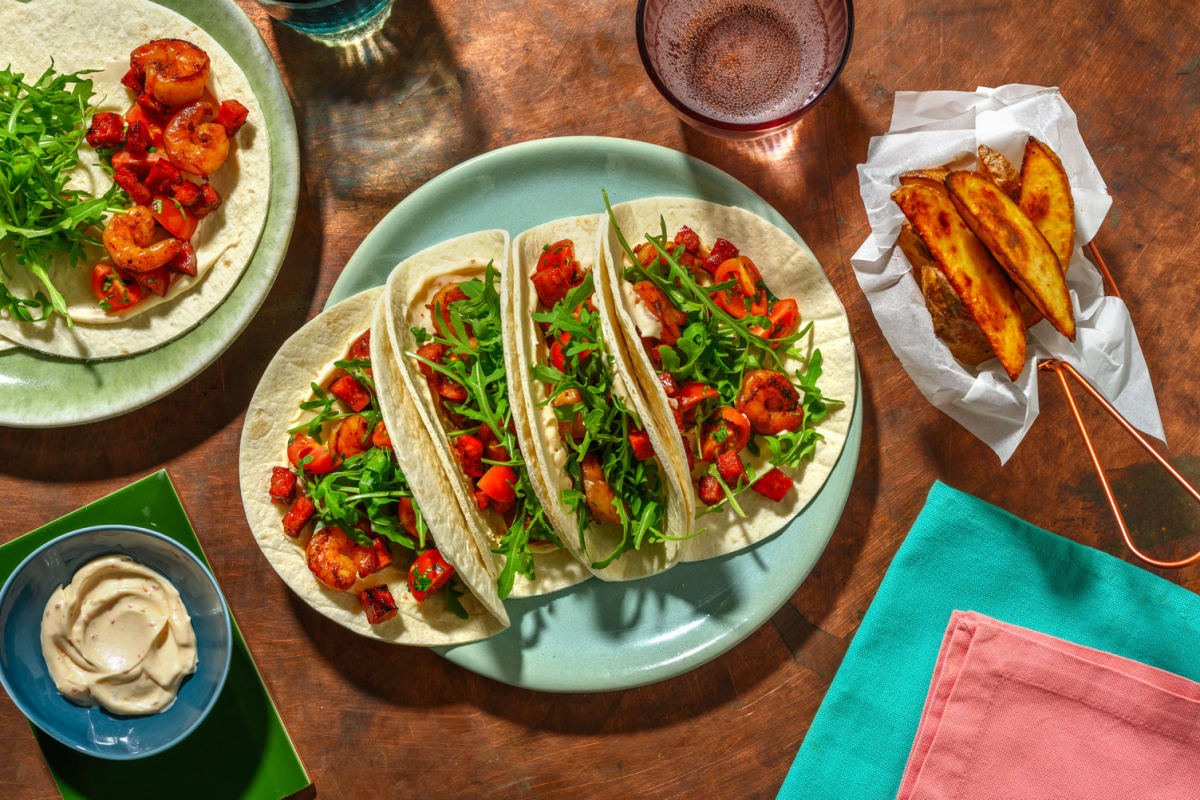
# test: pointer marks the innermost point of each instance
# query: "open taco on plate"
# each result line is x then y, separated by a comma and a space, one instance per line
741, 346
444, 316
347, 527
598, 453
152, 182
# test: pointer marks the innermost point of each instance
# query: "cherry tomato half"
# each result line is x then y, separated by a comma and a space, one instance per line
174, 217
428, 573
728, 431
320, 462
113, 290
557, 255
733, 301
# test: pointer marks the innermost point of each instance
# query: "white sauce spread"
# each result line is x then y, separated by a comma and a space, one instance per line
118, 636
647, 324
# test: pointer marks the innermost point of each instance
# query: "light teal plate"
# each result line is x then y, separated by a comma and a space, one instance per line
601, 636
38, 391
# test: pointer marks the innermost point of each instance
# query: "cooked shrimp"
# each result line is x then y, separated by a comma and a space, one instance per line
336, 560
770, 402
194, 145
660, 305
597, 492
574, 428
128, 238
174, 71
351, 436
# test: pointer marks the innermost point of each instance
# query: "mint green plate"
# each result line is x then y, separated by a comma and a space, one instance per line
241, 750
601, 636
38, 391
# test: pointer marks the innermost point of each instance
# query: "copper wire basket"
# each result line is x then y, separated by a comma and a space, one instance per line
1063, 370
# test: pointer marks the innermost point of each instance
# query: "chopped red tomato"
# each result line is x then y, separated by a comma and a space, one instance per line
231, 115
407, 514
439, 383
785, 320
298, 516
469, 451
107, 130
642, 448
727, 432
320, 461
709, 490
380, 437
428, 573
729, 464
774, 485
440, 307
114, 290
156, 280
722, 250
497, 483
556, 256
557, 358
283, 485
172, 216
551, 285
670, 388
350, 392
734, 301
378, 603
692, 394
360, 348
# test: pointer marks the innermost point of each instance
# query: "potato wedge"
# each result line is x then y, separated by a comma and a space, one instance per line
913, 249
975, 277
934, 177
1000, 171
1046, 198
952, 321
1016, 243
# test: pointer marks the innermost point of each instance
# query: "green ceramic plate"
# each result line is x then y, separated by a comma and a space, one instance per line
599, 636
38, 391
241, 750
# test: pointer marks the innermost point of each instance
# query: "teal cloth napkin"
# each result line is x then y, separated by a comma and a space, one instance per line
963, 553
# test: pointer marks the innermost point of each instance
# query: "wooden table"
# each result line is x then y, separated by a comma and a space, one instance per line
448, 80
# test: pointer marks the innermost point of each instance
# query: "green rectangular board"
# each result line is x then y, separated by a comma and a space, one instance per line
242, 750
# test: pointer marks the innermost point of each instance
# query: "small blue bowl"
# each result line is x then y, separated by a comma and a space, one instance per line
92, 729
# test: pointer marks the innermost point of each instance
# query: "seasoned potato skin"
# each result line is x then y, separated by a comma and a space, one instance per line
1046, 199
1000, 171
933, 177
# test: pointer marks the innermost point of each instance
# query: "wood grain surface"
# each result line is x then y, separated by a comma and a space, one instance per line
447, 80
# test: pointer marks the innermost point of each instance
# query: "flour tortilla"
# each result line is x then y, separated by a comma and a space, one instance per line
308, 356
100, 34
409, 288
789, 270
537, 426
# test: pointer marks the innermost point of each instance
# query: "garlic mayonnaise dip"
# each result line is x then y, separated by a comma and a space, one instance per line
118, 636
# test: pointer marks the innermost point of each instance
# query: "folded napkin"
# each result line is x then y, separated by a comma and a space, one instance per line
963, 553
1015, 713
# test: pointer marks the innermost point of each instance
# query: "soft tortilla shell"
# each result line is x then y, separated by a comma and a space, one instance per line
99, 34
538, 429
284, 384
408, 290
789, 270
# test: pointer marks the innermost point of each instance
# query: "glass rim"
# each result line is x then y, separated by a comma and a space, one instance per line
758, 127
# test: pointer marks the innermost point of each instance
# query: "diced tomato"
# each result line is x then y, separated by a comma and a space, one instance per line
156, 280
670, 388
691, 395
231, 115
114, 290
439, 383
350, 392
749, 285
360, 348
727, 432
551, 285
106, 130
497, 483
185, 261
729, 464
154, 123
428, 573
709, 490
774, 485
380, 437
469, 451
447, 296
178, 222
298, 516
164, 176
689, 239
128, 180
642, 448
722, 250
209, 201
137, 137
351, 437
407, 514
133, 81
320, 460
283, 485
378, 603
557, 358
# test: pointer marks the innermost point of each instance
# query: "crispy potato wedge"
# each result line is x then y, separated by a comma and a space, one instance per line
1046, 198
952, 321
934, 177
1016, 243
913, 249
1000, 171
975, 277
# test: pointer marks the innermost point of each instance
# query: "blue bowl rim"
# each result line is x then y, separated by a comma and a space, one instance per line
220, 685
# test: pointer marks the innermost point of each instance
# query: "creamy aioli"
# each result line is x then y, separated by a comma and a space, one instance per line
118, 636
647, 324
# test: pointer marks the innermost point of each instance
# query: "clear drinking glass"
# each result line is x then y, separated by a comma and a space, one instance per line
330, 20
742, 69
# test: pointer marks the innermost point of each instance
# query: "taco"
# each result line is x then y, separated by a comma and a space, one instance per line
444, 315
593, 444
740, 345
346, 526
179, 164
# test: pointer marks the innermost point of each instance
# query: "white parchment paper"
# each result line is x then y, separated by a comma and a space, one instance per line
929, 129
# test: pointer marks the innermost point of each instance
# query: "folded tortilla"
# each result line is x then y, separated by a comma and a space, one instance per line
538, 428
410, 288
308, 356
100, 34
790, 270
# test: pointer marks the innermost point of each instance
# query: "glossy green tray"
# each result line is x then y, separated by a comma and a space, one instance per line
242, 750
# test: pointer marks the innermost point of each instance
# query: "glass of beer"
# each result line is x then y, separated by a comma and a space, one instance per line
741, 69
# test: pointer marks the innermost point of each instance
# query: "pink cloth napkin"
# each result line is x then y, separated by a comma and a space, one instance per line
1013, 714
